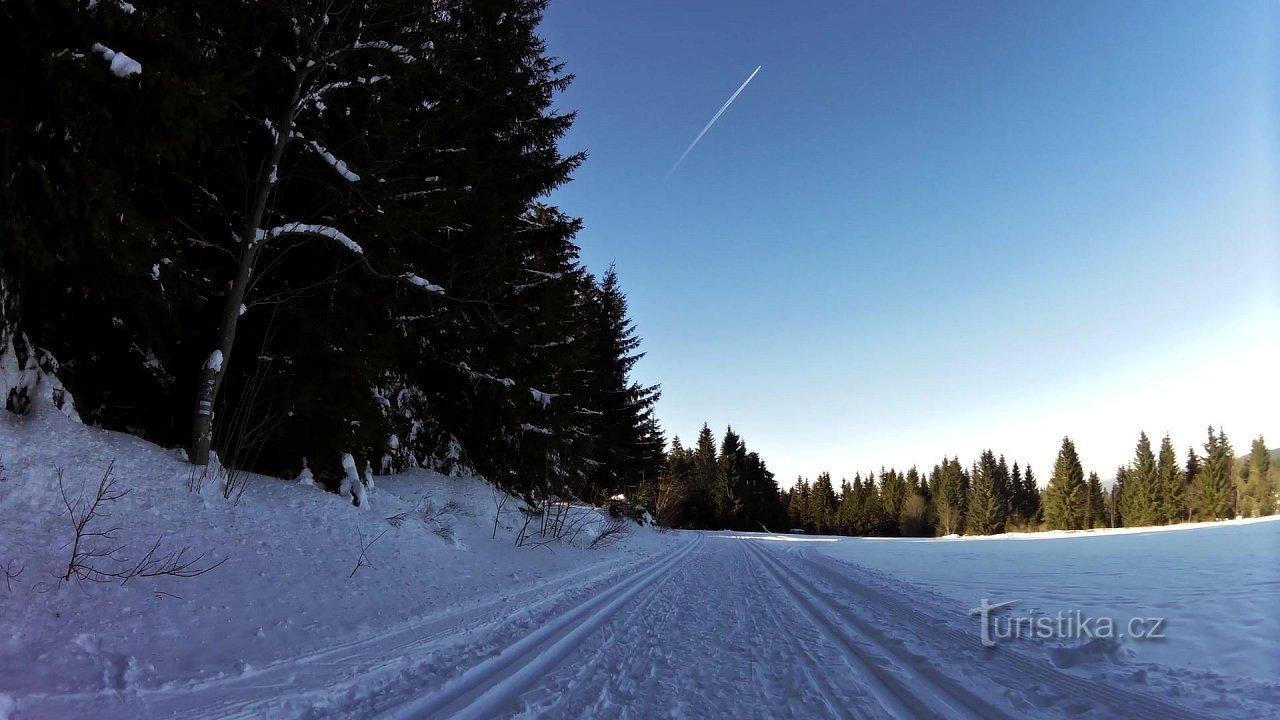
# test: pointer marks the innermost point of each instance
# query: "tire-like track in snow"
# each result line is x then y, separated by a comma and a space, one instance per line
1052, 690
309, 678
906, 688
495, 685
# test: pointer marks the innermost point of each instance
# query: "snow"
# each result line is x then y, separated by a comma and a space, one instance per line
541, 398
1218, 584
397, 50
339, 165
419, 604
121, 65
214, 362
282, 629
508, 382
424, 284
305, 229
125, 7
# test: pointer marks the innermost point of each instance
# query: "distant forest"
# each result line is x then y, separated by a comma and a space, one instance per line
733, 489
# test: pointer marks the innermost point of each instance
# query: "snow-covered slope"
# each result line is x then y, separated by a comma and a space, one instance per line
285, 592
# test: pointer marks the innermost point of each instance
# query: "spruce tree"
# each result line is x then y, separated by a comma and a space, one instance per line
1214, 482
1254, 489
894, 491
1095, 505
1031, 508
1172, 501
1065, 496
1141, 490
986, 507
821, 503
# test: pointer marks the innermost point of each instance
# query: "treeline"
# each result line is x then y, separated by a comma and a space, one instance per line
990, 496
987, 497
288, 229
705, 488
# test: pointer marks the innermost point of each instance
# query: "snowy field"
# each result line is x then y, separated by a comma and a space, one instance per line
448, 619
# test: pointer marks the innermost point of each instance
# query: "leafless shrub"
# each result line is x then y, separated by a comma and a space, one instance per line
398, 519
559, 520
248, 427
171, 564
89, 553
363, 560
196, 477
523, 535
11, 572
498, 506
444, 531
613, 530
438, 518
86, 547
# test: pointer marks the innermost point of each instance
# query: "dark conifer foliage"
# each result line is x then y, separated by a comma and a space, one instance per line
1065, 497
322, 223
729, 488
1213, 484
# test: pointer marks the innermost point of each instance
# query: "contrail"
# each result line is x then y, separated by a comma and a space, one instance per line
714, 118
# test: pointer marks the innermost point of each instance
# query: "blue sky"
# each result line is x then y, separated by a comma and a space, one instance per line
930, 227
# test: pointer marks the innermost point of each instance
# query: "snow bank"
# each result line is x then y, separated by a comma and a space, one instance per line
434, 547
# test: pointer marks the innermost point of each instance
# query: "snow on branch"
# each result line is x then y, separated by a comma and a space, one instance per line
424, 284
542, 398
398, 50
316, 97
508, 382
303, 229
535, 429
338, 165
125, 7
546, 277
121, 65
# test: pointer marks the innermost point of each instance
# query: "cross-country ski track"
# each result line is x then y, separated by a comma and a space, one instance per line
725, 625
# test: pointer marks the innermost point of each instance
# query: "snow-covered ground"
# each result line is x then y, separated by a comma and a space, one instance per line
459, 623
282, 605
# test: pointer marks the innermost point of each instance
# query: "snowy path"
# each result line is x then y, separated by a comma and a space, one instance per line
734, 626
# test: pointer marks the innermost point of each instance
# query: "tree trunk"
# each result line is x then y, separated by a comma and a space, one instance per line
212, 373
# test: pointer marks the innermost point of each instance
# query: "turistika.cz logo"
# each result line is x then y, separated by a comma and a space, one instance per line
1065, 625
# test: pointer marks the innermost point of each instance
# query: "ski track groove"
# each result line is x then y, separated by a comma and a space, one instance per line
421, 633
1010, 668
496, 684
642, 622
897, 697
826, 690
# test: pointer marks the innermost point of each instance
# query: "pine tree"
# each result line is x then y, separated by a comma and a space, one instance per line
1213, 483
705, 471
986, 507
1065, 496
727, 495
1139, 503
1095, 505
821, 504
950, 496
1255, 489
1172, 500
1031, 509
894, 491
798, 506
